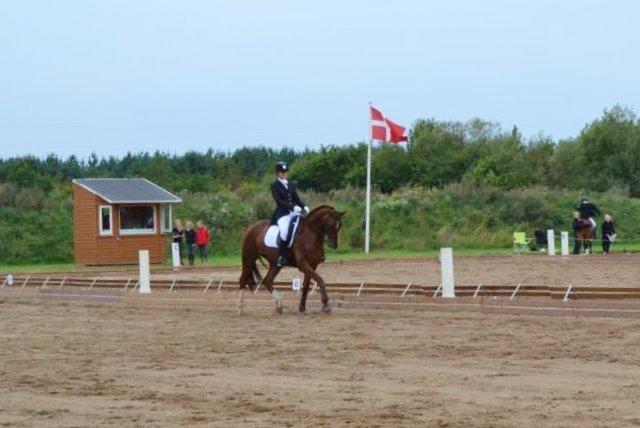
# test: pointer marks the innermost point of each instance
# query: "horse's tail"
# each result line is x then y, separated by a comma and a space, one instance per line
250, 276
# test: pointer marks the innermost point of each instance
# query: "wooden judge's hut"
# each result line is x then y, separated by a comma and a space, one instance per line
114, 218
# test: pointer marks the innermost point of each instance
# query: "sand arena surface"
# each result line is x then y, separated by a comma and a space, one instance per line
153, 362
127, 363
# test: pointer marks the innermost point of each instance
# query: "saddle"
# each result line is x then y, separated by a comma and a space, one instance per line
586, 223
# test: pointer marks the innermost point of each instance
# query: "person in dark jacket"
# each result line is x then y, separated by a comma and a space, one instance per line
288, 205
190, 238
608, 233
577, 225
178, 238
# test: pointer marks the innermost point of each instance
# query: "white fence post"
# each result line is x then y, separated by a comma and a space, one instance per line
175, 255
551, 242
564, 243
446, 267
145, 280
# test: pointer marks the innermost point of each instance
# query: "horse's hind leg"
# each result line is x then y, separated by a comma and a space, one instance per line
247, 278
305, 290
268, 283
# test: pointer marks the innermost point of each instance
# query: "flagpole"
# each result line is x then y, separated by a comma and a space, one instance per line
368, 201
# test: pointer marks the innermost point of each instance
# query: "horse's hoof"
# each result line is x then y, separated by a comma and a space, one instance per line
302, 309
326, 309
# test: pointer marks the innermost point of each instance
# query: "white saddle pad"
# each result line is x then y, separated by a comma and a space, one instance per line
271, 237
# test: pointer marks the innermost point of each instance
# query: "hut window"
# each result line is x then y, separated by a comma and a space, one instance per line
137, 220
166, 218
105, 220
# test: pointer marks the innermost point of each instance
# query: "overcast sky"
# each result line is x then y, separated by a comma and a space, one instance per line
113, 76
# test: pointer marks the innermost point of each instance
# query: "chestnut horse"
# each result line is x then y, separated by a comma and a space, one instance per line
585, 235
306, 253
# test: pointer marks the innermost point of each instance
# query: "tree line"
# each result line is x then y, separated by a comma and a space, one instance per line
604, 156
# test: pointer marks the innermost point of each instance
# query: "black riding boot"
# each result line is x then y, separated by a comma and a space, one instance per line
282, 253
283, 247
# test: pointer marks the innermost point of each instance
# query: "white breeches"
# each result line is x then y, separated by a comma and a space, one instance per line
593, 222
283, 225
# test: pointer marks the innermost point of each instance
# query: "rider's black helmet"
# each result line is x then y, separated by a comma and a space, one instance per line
583, 200
282, 167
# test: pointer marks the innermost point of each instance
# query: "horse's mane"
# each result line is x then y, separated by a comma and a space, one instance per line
320, 208
316, 214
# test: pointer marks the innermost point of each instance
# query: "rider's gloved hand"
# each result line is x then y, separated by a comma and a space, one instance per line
306, 210
297, 209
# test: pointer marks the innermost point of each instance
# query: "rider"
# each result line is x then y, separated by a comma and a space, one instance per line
588, 210
288, 205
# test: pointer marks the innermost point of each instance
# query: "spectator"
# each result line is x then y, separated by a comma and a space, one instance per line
577, 224
608, 233
202, 239
178, 238
190, 237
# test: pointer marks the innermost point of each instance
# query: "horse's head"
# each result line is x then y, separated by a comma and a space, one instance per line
329, 222
332, 225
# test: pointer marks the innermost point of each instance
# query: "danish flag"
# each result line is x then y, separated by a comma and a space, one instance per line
383, 129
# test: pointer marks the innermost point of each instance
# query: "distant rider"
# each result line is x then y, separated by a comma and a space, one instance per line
288, 205
588, 211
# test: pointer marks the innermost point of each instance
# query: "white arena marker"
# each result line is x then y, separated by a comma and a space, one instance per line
296, 284
446, 267
564, 243
175, 254
551, 242
145, 283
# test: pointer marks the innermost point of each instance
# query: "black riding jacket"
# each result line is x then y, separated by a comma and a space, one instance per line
608, 229
286, 198
588, 209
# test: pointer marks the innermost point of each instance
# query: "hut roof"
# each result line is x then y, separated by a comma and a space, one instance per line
128, 190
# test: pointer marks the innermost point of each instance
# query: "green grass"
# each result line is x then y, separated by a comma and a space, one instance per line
233, 260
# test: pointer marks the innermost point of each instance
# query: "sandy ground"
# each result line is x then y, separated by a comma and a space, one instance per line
82, 364
146, 362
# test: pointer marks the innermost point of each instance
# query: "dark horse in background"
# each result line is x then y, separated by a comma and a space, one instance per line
585, 235
306, 253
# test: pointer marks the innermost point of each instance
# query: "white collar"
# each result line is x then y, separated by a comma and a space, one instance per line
284, 182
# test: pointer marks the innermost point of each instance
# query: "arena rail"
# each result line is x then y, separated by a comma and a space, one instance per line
215, 285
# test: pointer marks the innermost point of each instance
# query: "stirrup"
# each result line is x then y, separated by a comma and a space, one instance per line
281, 261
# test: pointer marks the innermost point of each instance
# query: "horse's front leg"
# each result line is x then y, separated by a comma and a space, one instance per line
311, 273
305, 290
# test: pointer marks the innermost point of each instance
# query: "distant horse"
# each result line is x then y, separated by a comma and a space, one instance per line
585, 235
306, 253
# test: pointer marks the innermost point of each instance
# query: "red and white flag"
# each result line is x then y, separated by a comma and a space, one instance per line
383, 129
